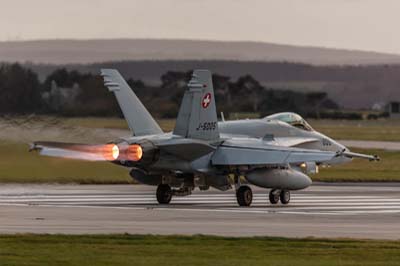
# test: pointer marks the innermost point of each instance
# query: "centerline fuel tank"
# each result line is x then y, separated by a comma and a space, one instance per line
278, 178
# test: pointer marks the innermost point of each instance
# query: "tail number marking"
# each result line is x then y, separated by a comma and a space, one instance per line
207, 126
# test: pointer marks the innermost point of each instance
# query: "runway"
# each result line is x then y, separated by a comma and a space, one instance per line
323, 210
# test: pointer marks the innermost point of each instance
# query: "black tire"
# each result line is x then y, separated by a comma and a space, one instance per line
274, 196
164, 194
285, 196
244, 196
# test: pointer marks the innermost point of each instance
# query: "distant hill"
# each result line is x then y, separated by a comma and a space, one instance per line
91, 51
353, 87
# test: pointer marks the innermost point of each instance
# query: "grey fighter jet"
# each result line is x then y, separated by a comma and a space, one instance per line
276, 152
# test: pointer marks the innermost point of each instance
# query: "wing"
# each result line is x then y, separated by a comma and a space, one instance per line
253, 152
88, 152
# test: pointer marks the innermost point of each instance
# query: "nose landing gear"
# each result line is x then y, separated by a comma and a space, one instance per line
285, 196
276, 194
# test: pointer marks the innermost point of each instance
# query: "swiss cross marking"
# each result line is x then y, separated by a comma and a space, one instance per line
206, 100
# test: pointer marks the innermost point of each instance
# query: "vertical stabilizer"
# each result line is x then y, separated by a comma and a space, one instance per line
197, 116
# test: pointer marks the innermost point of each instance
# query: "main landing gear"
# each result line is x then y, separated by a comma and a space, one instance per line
276, 194
164, 194
244, 196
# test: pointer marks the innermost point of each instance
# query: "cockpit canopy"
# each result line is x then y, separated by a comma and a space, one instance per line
292, 119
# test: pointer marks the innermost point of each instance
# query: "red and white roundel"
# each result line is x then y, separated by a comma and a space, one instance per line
206, 100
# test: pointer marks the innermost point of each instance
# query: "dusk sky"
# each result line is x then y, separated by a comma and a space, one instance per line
352, 24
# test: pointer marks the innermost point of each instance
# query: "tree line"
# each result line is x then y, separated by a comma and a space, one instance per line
72, 93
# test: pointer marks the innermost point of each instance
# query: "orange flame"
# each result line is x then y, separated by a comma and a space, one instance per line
110, 152
134, 153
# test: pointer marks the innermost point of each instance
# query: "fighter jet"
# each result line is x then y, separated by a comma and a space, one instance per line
276, 152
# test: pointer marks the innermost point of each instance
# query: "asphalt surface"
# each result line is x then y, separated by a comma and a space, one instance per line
340, 210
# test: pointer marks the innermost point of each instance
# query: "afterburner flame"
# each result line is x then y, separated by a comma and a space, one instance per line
115, 152
134, 153
122, 152
92, 152
110, 152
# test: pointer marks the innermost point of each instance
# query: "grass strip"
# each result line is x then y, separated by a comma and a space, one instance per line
192, 250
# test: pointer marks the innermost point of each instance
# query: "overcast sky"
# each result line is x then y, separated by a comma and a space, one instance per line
353, 24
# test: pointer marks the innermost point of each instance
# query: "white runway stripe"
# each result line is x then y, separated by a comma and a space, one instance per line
196, 196
210, 200
307, 204
200, 194
382, 202
235, 210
